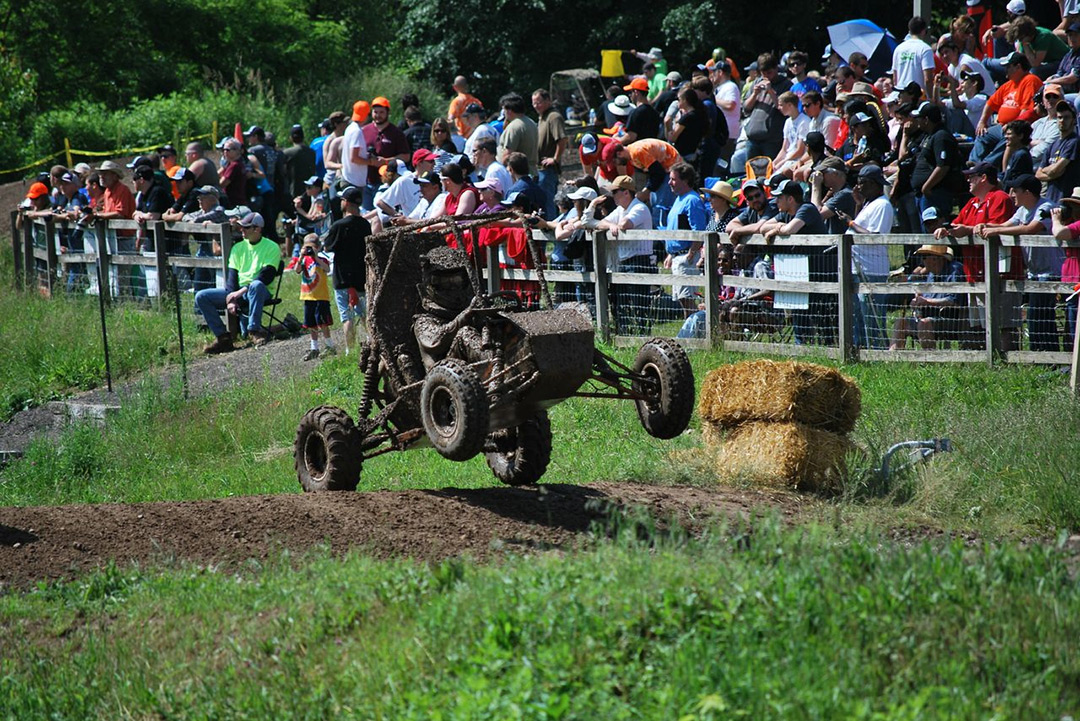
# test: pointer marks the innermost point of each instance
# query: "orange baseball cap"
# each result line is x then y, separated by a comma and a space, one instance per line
381, 101
37, 190
638, 84
360, 110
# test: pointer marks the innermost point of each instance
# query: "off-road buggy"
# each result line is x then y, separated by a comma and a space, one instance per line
450, 366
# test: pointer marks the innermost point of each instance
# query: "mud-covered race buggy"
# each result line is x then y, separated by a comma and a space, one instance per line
449, 366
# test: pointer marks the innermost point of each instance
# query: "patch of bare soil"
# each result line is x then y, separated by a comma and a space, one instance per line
57, 542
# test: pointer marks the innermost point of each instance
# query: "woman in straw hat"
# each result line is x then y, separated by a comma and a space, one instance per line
932, 313
721, 198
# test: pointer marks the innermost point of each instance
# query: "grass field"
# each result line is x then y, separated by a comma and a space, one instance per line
761, 622
801, 623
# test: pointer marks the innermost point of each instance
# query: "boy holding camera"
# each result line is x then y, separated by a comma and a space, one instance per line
314, 267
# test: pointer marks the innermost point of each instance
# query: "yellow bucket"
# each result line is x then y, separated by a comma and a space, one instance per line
611, 64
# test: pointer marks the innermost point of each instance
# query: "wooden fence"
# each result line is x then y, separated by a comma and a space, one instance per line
31, 253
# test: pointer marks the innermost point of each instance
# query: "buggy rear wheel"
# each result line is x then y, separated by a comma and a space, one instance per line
667, 382
523, 453
327, 450
454, 409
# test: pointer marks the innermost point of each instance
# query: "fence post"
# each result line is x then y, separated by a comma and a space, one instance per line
29, 266
67, 153
1074, 373
156, 229
16, 251
992, 281
494, 275
600, 276
845, 305
712, 289
231, 321
101, 229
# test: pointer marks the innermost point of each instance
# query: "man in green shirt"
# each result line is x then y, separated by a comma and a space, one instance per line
253, 264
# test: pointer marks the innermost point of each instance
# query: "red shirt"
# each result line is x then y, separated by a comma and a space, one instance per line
995, 209
119, 199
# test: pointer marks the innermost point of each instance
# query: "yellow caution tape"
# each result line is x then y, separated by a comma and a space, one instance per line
44, 160
99, 154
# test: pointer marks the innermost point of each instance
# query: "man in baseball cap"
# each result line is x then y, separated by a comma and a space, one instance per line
252, 266
643, 121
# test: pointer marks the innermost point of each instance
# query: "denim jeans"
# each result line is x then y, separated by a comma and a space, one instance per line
694, 326
868, 325
211, 302
548, 179
989, 147
938, 198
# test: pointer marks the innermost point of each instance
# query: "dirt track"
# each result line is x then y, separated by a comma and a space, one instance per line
41, 543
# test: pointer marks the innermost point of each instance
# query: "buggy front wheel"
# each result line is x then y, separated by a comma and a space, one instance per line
666, 380
327, 450
454, 409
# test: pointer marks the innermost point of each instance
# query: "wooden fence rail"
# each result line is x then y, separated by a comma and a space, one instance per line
32, 255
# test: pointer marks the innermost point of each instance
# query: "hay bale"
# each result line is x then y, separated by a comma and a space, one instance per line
788, 455
785, 392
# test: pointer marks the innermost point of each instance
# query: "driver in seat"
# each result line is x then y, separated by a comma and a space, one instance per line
444, 329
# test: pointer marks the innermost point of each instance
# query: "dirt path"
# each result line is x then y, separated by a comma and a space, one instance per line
42, 543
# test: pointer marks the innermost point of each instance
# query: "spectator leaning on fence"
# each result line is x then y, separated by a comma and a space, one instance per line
991, 205
1032, 217
687, 212
870, 263
625, 256
253, 264
1061, 166
1066, 226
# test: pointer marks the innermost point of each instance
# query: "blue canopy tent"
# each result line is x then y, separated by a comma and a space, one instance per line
864, 36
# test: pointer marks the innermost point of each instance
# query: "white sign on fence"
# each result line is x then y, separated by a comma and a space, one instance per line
792, 267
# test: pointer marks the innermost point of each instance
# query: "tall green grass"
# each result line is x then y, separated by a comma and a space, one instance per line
761, 624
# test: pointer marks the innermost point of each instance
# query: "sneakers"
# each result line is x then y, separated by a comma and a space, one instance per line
311, 354
259, 337
223, 344
329, 351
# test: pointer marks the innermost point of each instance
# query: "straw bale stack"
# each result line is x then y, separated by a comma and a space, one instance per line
788, 392
794, 454
780, 423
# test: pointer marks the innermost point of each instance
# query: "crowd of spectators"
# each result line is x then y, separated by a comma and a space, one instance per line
971, 132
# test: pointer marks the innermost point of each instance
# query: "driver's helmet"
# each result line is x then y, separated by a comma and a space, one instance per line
445, 284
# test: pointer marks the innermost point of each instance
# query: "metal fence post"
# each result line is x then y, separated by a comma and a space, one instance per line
712, 289
845, 301
992, 285
601, 277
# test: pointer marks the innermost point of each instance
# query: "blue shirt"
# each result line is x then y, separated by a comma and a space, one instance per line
688, 212
317, 146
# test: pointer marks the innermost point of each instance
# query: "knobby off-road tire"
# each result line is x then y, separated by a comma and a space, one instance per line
454, 409
327, 450
670, 403
524, 452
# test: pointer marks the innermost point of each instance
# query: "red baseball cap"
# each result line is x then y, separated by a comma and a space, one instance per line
638, 84
37, 190
421, 155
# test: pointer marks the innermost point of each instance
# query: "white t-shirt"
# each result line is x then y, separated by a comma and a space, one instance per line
353, 173
498, 170
640, 218
828, 124
877, 217
909, 60
967, 62
482, 132
729, 91
795, 130
1044, 131
425, 209
973, 107
403, 193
